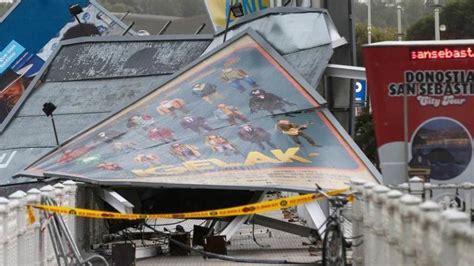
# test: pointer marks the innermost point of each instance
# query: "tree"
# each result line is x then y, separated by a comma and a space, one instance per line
365, 136
458, 17
378, 35
422, 30
384, 13
364, 130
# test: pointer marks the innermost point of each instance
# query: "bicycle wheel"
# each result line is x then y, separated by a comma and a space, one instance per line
334, 250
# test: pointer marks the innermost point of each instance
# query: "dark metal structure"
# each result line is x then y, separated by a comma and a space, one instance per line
88, 78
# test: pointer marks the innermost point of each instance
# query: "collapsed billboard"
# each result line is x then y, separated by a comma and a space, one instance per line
437, 81
238, 118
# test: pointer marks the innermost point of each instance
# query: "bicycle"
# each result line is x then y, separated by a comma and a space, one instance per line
334, 242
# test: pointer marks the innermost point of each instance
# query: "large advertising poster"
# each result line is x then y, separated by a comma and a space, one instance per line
17, 69
237, 119
437, 80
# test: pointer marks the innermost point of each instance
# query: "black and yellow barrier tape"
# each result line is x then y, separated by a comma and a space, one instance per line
247, 209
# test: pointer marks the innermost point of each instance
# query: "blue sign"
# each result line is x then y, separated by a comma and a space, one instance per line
360, 92
9, 55
33, 23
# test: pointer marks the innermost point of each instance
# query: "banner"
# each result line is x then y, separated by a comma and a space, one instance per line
17, 69
218, 10
438, 81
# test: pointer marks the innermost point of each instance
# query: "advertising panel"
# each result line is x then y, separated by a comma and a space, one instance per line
218, 10
93, 17
437, 81
17, 69
237, 119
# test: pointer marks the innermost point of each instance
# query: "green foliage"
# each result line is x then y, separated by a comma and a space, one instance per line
457, 15
365, 136
378, 35
384, 14
422, 30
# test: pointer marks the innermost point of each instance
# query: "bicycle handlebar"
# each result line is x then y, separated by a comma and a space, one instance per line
332, 199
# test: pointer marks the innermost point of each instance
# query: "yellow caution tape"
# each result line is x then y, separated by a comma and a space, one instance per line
31, 215
247, 209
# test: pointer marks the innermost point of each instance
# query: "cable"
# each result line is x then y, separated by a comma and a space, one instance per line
355, 237
255, 239
357, 245
190, 231
173, 223
225, 257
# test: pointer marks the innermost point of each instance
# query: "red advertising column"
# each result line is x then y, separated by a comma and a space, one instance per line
438, 79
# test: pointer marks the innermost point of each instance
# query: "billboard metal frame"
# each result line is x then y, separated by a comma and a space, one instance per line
280, 60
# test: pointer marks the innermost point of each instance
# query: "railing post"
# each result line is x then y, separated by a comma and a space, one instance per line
46, 242
368, 221
33, 235
393, 227
60, 192
428, 220
416, 186
451, 219
3, 230
10, 232
404, 188
20, 197
408, 209
466, 247
357, 223
378, 224
62, 198
71, 192
427, 188
468, 197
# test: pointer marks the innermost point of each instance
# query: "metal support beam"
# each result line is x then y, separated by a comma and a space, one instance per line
234, 226
294, 229
314, 215
344, 71
114, 199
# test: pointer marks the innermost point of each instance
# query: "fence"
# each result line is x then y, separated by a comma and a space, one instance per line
23, 243
396, 226
399, 228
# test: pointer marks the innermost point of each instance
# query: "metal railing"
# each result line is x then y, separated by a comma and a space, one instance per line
399, 227
41, 242
457, 196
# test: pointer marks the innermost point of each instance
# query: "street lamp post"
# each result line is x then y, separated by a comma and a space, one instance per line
369, 22
48, 109
436, 19
399, 20
75, 10
236, 10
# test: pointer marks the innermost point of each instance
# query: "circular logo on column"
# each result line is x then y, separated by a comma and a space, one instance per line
441, 149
